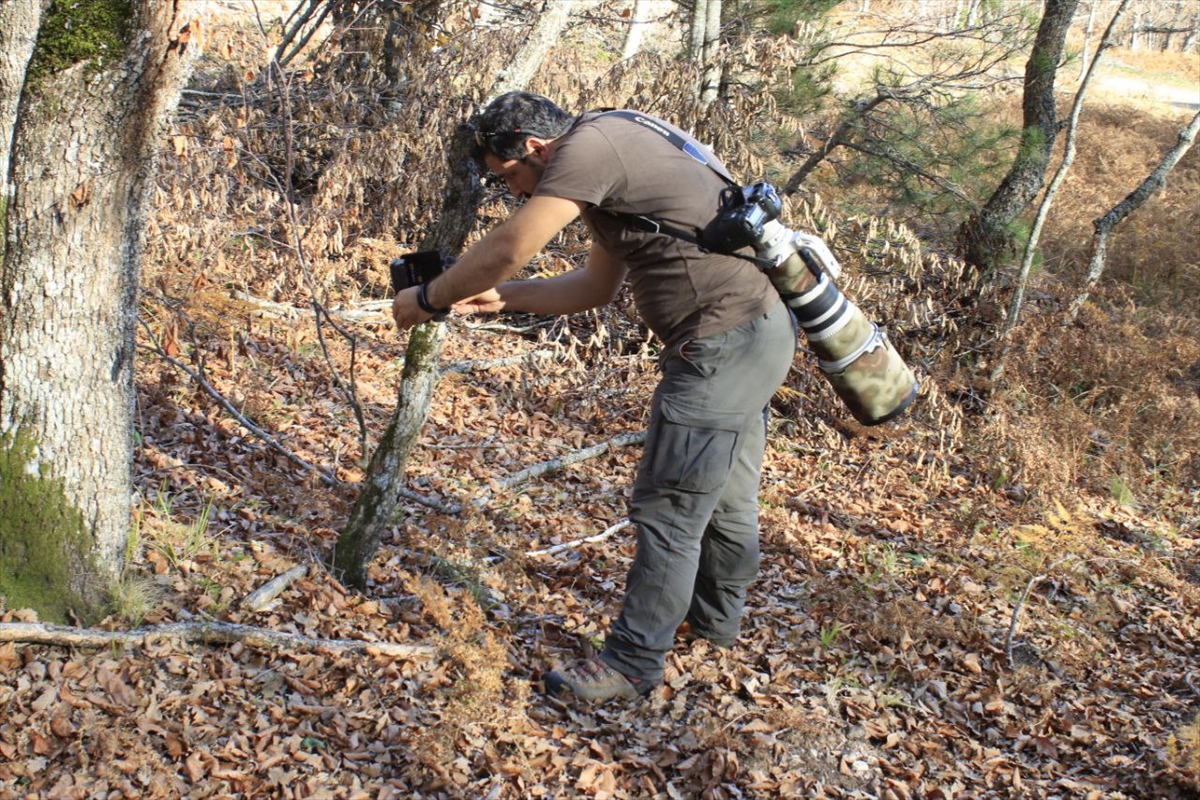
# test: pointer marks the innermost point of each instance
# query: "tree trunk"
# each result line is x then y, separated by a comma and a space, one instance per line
710, 84
1060, 174
1104, 225
380, 504
103, 77
537, 45
696, 30
18, 31
637, 28
987, 238
1087, 39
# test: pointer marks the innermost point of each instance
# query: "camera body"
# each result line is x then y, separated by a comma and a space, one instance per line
414, 269
743, 218
749, 217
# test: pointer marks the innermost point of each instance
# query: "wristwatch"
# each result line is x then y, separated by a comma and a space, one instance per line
426, 306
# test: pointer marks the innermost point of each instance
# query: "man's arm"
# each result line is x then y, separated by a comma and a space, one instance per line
594, 285
497, 257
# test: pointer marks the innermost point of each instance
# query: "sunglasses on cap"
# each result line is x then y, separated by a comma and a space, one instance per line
485, 138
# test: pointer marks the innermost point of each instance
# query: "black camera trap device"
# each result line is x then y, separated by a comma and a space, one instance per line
418, 269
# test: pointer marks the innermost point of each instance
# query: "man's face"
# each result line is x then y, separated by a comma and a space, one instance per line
520, 175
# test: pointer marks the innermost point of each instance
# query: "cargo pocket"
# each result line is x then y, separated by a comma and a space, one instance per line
695, 447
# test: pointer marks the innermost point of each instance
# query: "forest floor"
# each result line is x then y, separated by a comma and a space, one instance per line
915, 630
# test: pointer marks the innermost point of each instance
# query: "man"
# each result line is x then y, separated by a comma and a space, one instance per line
728, 342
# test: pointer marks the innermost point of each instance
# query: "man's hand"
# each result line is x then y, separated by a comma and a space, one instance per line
405, 310
482, 303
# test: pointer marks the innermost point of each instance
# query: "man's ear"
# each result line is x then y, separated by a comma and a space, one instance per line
538, 146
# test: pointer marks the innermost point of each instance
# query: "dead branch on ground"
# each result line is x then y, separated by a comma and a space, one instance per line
263, 595
599, 537
202, 633
574, 457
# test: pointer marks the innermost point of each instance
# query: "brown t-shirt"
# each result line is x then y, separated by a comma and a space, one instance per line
618, 165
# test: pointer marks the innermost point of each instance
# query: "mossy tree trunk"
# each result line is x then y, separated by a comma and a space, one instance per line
102, 80
379, 505
988, 239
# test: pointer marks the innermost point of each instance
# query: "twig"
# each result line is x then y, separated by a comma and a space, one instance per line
1012, 625
349, 387
260, 597
270, 440
558, 548
201, 633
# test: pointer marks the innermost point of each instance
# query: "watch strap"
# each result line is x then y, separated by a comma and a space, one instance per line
423, 301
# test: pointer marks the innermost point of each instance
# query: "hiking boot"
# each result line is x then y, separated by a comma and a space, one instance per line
687, 634
594, 681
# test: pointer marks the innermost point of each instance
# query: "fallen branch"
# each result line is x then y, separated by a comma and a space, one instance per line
555, 464
558, 548
260, 597
1012, 625
493, 363
268, 307
202, 633
368, 311
409, 494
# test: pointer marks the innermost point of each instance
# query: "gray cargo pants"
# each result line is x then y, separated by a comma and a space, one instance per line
695, 498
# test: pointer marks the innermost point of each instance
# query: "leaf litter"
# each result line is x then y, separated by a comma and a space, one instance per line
872, 662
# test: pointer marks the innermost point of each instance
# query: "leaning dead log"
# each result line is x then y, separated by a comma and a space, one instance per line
555, 464
202, 633
1103, 226
574, 457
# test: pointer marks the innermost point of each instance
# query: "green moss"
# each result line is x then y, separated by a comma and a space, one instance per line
74, 31
41, 533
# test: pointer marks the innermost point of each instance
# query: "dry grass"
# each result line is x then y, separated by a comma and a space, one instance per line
1155, 251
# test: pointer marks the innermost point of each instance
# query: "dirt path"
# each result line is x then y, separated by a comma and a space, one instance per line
1138, 90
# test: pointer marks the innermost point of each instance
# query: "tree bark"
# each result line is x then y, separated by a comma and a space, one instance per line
380, 504
1060, 174
85, 146
18, 31
710, 84
987, 238
1104, 225
637, 29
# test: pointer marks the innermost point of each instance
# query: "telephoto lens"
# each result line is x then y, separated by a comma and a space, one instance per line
855, 355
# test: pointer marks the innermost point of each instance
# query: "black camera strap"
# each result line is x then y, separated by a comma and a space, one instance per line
641, 222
